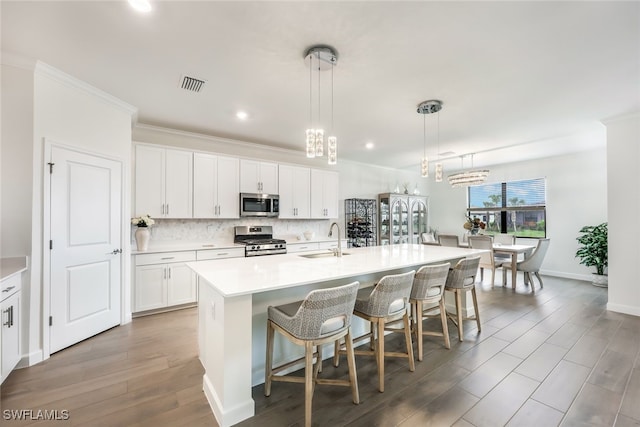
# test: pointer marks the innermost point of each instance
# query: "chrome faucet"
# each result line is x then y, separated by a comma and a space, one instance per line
339, 253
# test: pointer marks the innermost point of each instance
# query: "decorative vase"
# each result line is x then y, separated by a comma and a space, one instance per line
142, 238
474, 230
601, 281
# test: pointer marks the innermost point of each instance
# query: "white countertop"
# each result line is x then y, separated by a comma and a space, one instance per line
243, 276
11, 266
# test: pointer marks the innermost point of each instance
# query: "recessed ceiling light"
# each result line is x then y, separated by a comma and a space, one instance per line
141, 5
242, 115
369, 145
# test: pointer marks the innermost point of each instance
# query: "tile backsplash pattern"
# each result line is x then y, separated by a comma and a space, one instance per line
222, 229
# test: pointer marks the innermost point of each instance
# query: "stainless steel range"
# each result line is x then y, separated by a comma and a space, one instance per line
258, 240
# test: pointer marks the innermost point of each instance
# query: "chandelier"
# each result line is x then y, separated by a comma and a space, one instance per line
470, 177
424, 108
320, 58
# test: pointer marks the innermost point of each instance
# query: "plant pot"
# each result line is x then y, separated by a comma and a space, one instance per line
600, 280
142, 238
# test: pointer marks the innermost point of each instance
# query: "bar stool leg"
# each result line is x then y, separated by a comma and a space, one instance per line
380, 353
445, 327
351, 362
407, 337
459, 313
308, 383
418, 317
268, 364
475, 308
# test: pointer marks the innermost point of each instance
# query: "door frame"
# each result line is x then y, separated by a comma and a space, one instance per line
125, 298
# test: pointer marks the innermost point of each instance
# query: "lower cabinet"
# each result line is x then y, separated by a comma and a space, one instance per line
163, 280
10, 329
315, 246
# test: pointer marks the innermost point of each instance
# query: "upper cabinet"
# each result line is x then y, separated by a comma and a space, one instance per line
324, 194
164, 179
294, 185
215, 186
258, 177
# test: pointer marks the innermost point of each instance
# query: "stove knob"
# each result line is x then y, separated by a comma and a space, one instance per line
253, 247
258, 247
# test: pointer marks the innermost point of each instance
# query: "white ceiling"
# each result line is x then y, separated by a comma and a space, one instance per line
510, 74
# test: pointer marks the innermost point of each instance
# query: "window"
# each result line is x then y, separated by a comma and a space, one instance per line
515, 207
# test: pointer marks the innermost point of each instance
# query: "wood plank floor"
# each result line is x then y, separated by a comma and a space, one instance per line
556, 358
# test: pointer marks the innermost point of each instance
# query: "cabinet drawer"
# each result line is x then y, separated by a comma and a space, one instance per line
166, 257
302, 247
220, 253
10, 286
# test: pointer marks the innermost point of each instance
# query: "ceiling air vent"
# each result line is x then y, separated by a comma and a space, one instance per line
191, 83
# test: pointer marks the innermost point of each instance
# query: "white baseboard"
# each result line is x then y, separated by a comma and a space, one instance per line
624, 309
563, 275
31, 359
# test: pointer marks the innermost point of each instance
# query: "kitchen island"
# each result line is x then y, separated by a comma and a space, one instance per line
234, 295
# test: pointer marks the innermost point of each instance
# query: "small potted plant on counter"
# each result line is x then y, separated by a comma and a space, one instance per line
594, 251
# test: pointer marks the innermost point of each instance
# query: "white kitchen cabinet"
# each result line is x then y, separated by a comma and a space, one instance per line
294, 186
10, 317
258, 177
221, 253
324, 194
215, 186
164, 180
162, 280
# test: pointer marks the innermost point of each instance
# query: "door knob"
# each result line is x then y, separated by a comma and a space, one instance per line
115, 252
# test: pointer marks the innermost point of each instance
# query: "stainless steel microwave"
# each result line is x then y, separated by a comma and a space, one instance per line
264, 205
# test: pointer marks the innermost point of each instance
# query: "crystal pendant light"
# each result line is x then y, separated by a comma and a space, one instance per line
424, 108
320, 58
470, 177
439, 169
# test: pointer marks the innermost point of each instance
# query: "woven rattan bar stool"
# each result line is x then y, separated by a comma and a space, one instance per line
427, 290
462, 278
324, 316
385, 303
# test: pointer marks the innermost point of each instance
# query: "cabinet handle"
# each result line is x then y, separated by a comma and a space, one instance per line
222, 253
11, 312
169, 272
168, 257
8, 289
164, 273
8, 322
162, 209
167, 208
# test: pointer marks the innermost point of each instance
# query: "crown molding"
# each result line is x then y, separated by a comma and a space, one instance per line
68, 80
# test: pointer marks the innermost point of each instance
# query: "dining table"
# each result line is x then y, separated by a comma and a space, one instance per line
513, 251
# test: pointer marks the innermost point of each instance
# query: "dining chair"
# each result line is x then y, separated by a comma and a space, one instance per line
529, 265
324, 316
487, 259
385, 303
462, 278
427, 295
504, 239
428, 239
450, 240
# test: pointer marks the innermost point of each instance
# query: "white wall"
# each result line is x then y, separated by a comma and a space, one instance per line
576, 196
623, 158
16, 172
69, 112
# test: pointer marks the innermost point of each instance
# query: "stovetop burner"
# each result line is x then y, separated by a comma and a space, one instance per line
258, 240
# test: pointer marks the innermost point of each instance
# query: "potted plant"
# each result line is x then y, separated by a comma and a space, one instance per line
594, 251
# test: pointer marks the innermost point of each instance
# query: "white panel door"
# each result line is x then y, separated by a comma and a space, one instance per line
178, 184
149, 164
228, 187
85, 221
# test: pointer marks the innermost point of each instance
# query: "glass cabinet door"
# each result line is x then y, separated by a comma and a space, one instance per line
385, 221
400, 221
418, 220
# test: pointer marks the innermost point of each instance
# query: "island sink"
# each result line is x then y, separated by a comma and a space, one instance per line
323, 255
